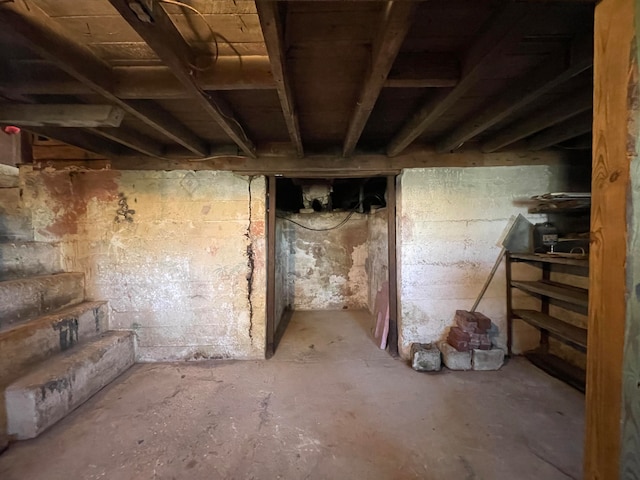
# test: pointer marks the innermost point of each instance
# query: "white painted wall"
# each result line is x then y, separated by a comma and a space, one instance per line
449, 220
187, 274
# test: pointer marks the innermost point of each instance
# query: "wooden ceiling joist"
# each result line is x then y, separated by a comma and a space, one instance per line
134, 141
45, 37
571, 128
81, 139
61, 115
28, 77
502, 31
547, 117
396, 20
166, 41
424, 70
273, 32
526, 90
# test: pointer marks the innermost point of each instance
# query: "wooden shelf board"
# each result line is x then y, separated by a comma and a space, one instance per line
545, 258
558, 368
572, 295
555, 326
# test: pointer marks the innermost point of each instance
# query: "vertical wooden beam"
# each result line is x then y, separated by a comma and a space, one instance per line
392, 340
165, 40
272, 30
502, 31
397, 17
271, 266
613, 361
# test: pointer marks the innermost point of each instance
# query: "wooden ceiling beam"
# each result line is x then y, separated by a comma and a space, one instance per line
166, 41
46, 38
132, 140
546, 117
501, 32
396, 20
81, 139
29, 77
572, 128
524, 91
273, 32
424, 70
61, 115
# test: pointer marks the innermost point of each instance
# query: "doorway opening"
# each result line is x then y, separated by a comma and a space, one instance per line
329, 242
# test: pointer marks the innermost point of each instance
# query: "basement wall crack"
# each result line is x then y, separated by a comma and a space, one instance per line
250, 265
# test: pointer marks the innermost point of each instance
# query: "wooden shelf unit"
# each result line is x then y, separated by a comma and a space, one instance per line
550, 326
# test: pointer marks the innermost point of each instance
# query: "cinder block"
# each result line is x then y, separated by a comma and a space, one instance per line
425, 357
454, 359
26, 259
488, 359
54, 389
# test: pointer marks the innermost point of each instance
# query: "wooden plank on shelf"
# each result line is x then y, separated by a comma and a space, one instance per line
572, 295
555, 326
547, 258
556, 367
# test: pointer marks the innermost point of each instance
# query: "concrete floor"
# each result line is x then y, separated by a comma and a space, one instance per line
329, 405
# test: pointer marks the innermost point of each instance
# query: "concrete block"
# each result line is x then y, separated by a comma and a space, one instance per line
28, 298
454, 359
15, 221
51, 391
488, 359
425, 357
26, 259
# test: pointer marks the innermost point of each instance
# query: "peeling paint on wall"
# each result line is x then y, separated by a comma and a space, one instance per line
187, 274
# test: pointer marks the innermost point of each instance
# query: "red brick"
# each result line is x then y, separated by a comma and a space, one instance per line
459, 334
466, 321
484, 322
459, 345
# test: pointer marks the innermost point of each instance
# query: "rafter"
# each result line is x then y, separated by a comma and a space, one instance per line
547, 117
524, 91
396, 20
571, 128
502, 31
272, 30
166, 41
46, 38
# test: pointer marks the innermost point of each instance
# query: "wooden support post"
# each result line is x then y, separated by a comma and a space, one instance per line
271, 266
273, 32
613, 361
392, 339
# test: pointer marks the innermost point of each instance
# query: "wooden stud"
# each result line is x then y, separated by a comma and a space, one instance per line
574, 127
272, 30
548, 116
526, 90
41, 34
392, 339
271, 266
395, 23
167, 42
613, 361
502, 31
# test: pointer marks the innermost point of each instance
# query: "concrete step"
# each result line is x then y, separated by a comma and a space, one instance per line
15, 219
26, 259
28, 298
51, 391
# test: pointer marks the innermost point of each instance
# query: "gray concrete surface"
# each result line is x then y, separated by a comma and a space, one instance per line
24, 259
329, 405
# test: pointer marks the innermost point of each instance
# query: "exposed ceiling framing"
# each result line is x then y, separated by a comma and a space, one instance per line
339, 78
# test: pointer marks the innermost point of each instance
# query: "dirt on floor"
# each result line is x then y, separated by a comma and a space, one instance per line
328, 405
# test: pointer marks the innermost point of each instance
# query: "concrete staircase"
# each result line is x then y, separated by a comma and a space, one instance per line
55, 347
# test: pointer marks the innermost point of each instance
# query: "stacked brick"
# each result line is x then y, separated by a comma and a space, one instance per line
471, 332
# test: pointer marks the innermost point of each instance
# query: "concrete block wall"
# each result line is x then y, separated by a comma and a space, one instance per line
449, 220
326, 269
179, 255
